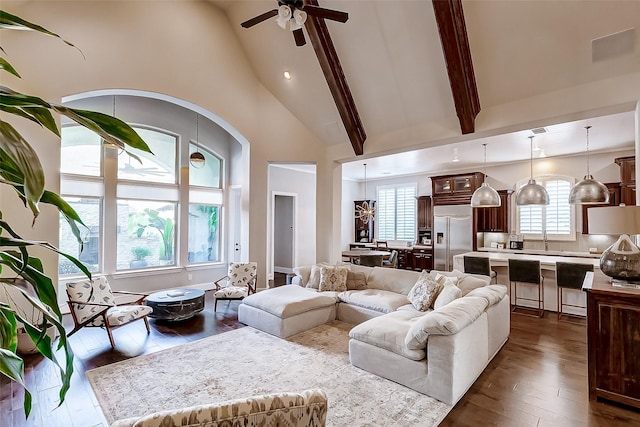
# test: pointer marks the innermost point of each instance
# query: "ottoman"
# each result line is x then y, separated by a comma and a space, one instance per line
287, 310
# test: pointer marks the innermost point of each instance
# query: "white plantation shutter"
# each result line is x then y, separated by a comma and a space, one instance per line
556, 218
386, 213
558, 215
396, 212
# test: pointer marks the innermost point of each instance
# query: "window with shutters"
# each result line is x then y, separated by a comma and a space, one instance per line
557, 218
396, 212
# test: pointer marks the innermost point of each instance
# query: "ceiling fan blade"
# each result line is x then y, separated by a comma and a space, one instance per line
258, 19
298, 35
320, 12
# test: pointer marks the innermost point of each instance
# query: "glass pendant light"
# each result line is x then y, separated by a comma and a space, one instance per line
365, 211
197, 158
485, 196
588, 191
532, 193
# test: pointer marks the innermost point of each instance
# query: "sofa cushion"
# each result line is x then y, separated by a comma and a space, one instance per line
492, 293
388, 332
333, 279
466, 282
448, 320
374, 299
356, 281
392, 279
424, 292
286, 301
304, 273
447, 294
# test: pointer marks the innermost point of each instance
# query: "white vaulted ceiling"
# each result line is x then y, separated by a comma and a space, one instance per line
392, 59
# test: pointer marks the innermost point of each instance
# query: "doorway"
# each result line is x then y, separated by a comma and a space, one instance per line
283, 233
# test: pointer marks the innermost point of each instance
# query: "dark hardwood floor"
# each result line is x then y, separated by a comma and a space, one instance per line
538, 379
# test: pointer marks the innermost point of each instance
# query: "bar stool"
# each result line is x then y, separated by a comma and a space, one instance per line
569, 276
479, 265
526, 272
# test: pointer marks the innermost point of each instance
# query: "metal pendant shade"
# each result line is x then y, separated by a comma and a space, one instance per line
196, 159
485, 196
588, 191
532, 193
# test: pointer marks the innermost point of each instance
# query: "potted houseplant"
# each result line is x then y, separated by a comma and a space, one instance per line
140, 253
21, 169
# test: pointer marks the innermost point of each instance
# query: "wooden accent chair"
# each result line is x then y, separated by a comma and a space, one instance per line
92, 303
392, 262
371, 260
239, 282
569, 276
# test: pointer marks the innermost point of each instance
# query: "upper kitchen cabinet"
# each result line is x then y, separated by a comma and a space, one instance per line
627, 179
455, 189
425, 213
494, 220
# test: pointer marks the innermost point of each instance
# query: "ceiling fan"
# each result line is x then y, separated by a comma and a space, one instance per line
294, 12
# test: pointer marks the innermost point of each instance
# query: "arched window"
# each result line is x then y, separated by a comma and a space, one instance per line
557, 219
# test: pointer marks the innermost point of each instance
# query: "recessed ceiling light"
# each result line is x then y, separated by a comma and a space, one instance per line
287, 75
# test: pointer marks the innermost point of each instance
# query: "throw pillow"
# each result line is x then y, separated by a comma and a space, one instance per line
356, 281
468, 283
314, 277
447, 294
424, 292
444, 280
333, 279
304, 273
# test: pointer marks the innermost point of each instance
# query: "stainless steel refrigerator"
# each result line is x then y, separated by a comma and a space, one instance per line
453, 234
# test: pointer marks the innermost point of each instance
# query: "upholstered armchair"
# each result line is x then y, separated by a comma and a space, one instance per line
304, 409
239, 282
92, 303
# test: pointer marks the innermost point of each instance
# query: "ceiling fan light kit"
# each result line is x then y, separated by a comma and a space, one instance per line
532, 193
294, 13
588, 191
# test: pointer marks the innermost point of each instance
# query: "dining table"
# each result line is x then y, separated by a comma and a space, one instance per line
355, 254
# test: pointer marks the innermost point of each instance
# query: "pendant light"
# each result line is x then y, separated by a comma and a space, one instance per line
485, 196
197, 158
365, 212
588, 191
532, 193
112, 143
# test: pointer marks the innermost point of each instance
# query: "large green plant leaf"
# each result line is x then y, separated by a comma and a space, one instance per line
30, 107
5, 66
113, 130
8, 326
12, 366
22, 155
13, 22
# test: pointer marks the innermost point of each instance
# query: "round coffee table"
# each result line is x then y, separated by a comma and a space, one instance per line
176, 304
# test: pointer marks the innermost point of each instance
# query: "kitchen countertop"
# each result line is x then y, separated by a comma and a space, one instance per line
547, 262
542, 252
396, 247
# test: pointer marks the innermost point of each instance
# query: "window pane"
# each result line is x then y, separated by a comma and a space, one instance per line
81, 151
530, 219
209, 174
396, 213
145, 236
559, 210
386, 213
89, 210
158, 167
204, 241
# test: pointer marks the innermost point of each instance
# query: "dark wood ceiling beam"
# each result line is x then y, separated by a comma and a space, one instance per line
455, 45
332, 69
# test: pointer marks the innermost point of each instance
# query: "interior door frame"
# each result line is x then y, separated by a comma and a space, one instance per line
294, 235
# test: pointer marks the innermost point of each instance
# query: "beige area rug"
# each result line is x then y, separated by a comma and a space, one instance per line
246, 362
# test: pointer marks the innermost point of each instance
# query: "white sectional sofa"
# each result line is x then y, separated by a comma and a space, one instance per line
439, 352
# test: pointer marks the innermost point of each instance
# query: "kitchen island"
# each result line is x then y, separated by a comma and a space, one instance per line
500, 263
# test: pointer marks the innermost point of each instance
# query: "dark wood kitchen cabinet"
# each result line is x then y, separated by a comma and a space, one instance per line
425, 213
422, 259
613, 339
495, 220
455, 189
627, 179
614, 200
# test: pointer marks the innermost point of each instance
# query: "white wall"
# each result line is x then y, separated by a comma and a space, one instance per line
302, 185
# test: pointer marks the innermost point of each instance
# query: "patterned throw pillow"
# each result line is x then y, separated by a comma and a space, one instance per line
424, 292
333, 279
356, 281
